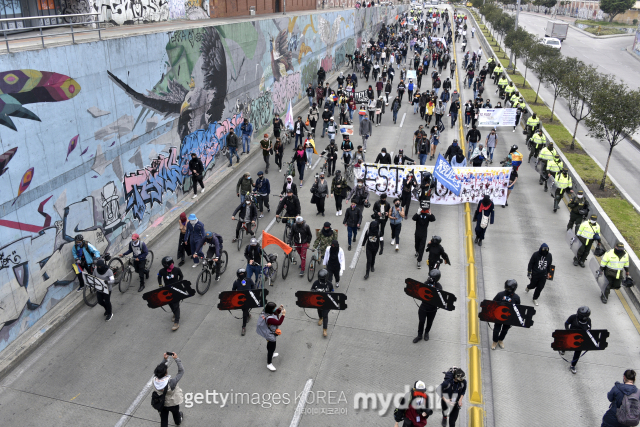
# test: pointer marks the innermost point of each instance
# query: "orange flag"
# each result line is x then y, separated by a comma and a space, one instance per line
269, 239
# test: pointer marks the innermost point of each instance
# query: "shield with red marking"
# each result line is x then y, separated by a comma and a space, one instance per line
508, 314
579, 340
168, 294
321, 300
429, 294
236, 300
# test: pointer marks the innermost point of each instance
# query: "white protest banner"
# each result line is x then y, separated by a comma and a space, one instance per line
497, 117
475, 182
411, 74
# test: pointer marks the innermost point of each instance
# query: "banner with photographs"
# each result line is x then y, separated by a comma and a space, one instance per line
475, 182
497, 117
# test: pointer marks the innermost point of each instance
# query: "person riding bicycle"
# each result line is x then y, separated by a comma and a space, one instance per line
290, 205
169, 275
289, 185
301, 238
84, 253
215, 249
140, 252
243, 283
253, 254
248, 214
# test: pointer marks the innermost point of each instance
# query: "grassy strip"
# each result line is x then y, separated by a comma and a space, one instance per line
625, 218
621, 212
603, 23
603, 31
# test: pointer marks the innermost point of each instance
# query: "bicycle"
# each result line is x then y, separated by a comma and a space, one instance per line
90, 293
287, 261
269, 274
123, 271
290, 170
288, 227
349, 173
311, 272
204, 278
244, 229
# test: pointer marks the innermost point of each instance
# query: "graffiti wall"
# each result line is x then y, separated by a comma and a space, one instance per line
102, 149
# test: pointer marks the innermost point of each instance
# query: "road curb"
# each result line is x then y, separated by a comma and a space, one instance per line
586, 33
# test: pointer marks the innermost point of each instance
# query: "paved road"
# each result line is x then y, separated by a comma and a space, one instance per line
95, 371
610, 57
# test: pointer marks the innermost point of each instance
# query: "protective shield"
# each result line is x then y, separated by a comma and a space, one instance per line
432, 296
321, 300
579, 340
168, 294
508, 314
594, 267
574, 243
95, 282
236, 300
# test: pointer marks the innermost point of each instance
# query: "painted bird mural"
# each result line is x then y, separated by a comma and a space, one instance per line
198, 101
6, 158
280, 56
329, 32
20, 87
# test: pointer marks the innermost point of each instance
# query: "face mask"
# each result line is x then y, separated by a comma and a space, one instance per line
544, 251
193, 221
353, 206
580, 196
248, 177
592, 222
288, 182
397, 204
248, 203
359, 185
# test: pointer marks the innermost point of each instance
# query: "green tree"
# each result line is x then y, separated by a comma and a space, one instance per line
543, 65
545, 3
559, 70
579, 88
505, 24
615, 112
530, 55
616, 7
518, 42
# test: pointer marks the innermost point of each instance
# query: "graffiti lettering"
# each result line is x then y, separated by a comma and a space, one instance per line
192, 36
12, 258
149, 184
285, 89
128, 12
261, 111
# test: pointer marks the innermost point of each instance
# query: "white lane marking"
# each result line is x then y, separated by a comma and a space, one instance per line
129, 412
359, 248
402, 121
44, 349
301, 404
273, 221
317, 161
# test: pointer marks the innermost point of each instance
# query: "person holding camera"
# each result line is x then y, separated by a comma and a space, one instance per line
167, 395
414, 407
268, 329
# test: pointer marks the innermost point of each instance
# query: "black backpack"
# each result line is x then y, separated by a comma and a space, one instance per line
157, 400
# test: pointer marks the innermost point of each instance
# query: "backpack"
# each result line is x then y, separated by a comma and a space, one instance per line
157, 400
263, 329
219, 238
628, 414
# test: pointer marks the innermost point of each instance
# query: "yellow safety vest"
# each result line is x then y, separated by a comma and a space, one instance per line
489, 61
520, 105
503, 82
588, 231
509, 90
552, 166
537, 139
611, 261
533, 122
498, 69
514, 99
547, 154
563, 182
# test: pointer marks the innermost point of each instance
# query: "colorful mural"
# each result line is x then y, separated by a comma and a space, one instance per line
111, 159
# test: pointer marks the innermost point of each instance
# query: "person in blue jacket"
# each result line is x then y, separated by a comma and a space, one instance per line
85, 254
616, 395
194, 237
140, 252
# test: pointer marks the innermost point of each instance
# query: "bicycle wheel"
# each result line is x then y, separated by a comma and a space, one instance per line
203, 282
224, 259
90, 296
148, 261
240, 238
285, 266
125, 282
273, 273
117, 267
311, 271
254, 228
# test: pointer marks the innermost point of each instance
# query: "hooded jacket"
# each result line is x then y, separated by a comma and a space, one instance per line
459, 160
324, 239
174, 393
244, 185
292, 206
365, 126
372, 236
540, 263
615, 396
422, 220
294, 188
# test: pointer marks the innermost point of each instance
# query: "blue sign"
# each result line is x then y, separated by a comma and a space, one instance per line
446, 176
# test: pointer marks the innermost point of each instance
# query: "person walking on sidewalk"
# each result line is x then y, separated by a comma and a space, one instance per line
427, 311
617, 396
372, 243
580, 321
323, 284
232, 144
320, 191
538, 271
167, 391
396, 216
170, 275
508, 296
483, 217
243, 283
247, 133
422, 219
334, 260
267, 149
613, 262
339, 190
267, 328
579, 209
352, 220
365, 131
197, 170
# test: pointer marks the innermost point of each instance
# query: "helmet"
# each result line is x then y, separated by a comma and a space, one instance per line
322, 276
434, 275
100, 263
458, 374
208, 235
510, 285
514, 148
79, 238
241, 273
583, 313
436, 240
299, 220
253, 241
167, 261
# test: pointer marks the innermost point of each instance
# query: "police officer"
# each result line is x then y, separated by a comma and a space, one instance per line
532, 125
538, 271
436, 251
537, 141
414, 407
243, 283
545, 157
588, 232
509, 296
323, 284
372, 243
167, 276
563, 183
580, 320
613, 262
422, 219
381, 210
427, 311
454, 383
579, 209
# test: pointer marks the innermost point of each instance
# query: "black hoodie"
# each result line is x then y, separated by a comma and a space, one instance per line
540, 263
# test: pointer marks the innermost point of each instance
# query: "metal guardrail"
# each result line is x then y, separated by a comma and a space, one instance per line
70, 23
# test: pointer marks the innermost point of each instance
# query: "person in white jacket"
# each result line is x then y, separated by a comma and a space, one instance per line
334, 261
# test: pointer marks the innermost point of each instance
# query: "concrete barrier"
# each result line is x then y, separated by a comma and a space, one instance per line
474, 323
475, 377
476, 417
